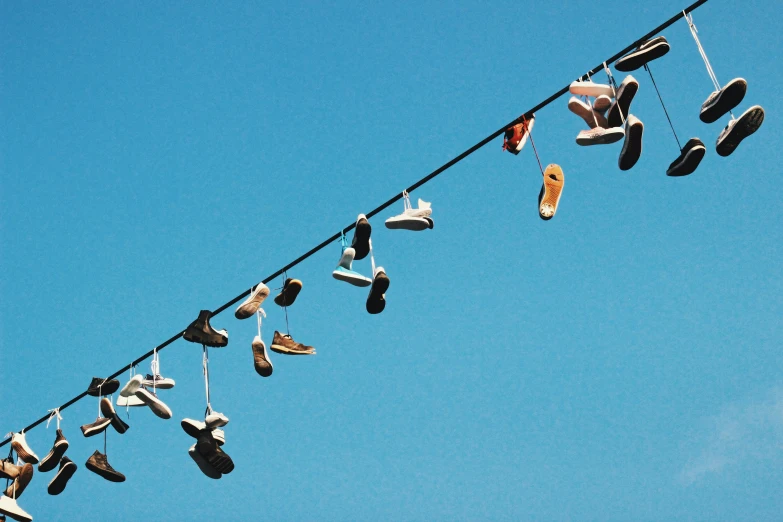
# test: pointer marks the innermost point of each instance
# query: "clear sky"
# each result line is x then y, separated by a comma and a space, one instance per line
619, 362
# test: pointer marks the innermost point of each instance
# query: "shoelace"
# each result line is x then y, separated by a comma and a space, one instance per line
54, 413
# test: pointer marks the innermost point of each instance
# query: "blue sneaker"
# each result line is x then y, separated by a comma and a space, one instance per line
343, 271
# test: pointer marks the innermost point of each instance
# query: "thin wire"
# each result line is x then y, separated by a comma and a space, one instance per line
285, 307
530, 135
695, 32
664, 106
393, 200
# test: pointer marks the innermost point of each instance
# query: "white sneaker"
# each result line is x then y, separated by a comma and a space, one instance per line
158, 381
25, 452
10, 508
415, 219
589, 88
601, 103
592, 117
129, 401
215, 420
131, 386
600, 136
156, 405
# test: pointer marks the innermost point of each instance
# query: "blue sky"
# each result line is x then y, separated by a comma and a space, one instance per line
621, 361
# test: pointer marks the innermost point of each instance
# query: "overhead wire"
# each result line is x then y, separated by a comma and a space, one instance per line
525, 116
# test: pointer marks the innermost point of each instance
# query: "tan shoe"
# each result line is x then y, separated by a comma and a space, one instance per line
551, 190
17, 487
9, 470
291, 289
260, 359
285, 344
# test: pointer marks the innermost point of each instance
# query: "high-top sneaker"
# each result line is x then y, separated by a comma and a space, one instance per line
376, 300
99, 426
64, 474
361, 237
287, 295
157, 381
49, 462
10, 508
25, 452
107, 410
261, 360
286, 344
201, 332
251, 305
98, 463
17, 487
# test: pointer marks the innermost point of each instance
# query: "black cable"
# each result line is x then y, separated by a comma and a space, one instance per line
394, 199
664, 106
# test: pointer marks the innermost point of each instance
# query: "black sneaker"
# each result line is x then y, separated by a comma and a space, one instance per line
287, 295
49, 462
99, 426
632, 147
739, 129
361, 237
645, 53
690, 157
216, 457
621, 106
100, 387
376, 301
58, 483
107, 410
721, 102
201, 332
98, 463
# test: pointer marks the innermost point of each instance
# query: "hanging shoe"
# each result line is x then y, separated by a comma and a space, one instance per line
49, 462
592, 117
361, 237
590, 88
285, 344
25, 452
721, 102
157, 406
10, 508
193, 428
129, 402
602, 103
101, 387
99, 463
291, 289
201, 332
158, 381
376, 301
17, 487
645, 53
215, 420
516, 136
599, 136
216, 457
690, 157
261, 360
632, 147
622, 103
551, 190
205, 467
99, 426
415, 219
107, 410
64, 474
9, 470
131, 386
739, 129
251, 305
343, 272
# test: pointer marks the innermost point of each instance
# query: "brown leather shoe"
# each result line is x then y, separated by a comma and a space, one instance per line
17, 487
262, 363
9, 470
285, 344
98, 463
291, 289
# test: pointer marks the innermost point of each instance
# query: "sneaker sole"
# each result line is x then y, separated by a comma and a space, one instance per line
376, 302
731, 96
49, 462
587, 115
623, 105
634, 151
253, 303
551, 190
362, 239
288, 296
689, 163
203, 465
165, 385
354, 280
95, 430
606, 139
745, 126
58, 483
414, 224
196, 338
639, 58
157, 407
282, 349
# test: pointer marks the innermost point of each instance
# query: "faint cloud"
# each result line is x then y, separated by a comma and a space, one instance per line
740, 433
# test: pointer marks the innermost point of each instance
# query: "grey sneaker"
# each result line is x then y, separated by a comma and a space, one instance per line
721, 102
253, 302
739, 129
98, 463
261, 359
201, 332
158, 382
49, 462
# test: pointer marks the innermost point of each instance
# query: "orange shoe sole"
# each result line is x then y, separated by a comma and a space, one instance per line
551, 191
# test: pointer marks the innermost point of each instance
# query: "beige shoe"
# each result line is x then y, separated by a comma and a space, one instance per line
285, 344
252, 303
551, 190
260, 359
17, 487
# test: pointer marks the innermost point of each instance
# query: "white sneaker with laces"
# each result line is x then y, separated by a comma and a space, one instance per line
215, 420
591, 117
589, 88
